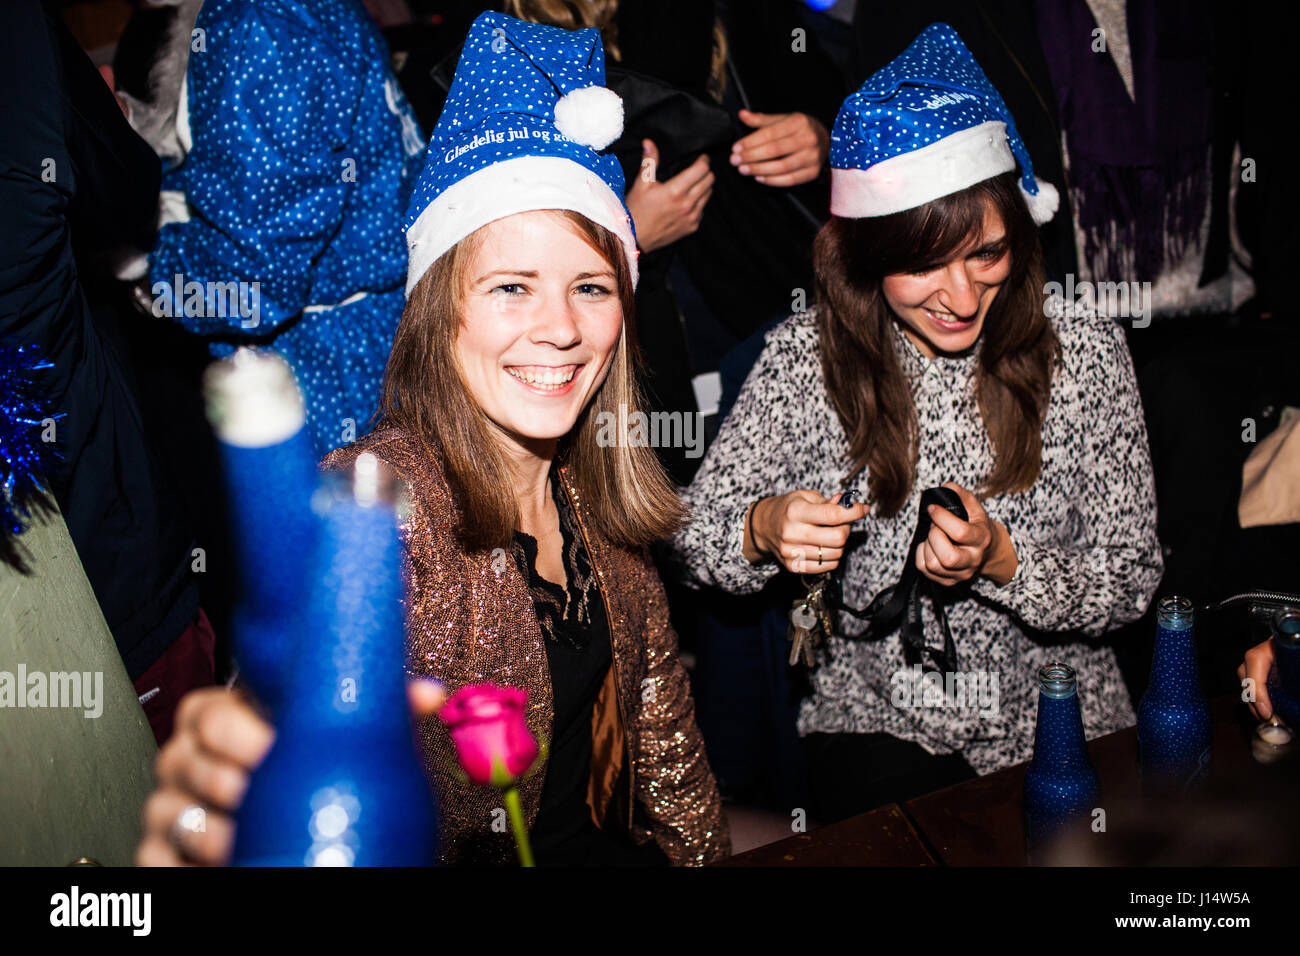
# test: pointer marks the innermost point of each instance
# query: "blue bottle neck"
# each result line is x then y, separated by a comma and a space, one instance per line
1174, 671
1059, 740
352, 673
270, 488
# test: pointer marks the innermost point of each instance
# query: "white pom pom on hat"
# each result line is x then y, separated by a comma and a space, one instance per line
592, 116
1043, 205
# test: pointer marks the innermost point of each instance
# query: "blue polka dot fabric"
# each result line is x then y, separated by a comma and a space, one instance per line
501, 104
934, 89
304, 152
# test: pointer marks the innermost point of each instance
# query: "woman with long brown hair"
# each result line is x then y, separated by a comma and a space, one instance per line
528, 530
931, 359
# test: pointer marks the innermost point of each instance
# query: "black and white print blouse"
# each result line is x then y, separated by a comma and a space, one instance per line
1084, 534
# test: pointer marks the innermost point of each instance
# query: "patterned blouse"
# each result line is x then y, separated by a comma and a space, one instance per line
1085, 536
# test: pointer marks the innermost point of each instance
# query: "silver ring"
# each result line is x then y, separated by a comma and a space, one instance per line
819, 554
193, 819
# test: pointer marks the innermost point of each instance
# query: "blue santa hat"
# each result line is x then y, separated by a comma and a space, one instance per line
927, 125
524, 123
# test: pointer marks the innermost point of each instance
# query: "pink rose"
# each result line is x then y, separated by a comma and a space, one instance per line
491, 737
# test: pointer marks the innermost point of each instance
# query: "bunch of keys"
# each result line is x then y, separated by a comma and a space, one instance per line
810, 622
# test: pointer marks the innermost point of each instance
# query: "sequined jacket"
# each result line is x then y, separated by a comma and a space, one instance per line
471, 618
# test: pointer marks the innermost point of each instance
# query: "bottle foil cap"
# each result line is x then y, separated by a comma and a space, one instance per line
252, 399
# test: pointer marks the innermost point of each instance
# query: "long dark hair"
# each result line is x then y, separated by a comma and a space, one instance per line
1018, 348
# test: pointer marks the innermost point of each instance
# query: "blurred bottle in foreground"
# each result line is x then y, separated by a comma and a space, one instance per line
1061, 786
270, 474
343, 785
1173, 718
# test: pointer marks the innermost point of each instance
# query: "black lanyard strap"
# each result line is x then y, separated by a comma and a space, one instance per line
900, 603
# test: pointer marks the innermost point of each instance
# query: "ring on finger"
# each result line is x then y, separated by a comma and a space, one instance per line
192, 819
819, 554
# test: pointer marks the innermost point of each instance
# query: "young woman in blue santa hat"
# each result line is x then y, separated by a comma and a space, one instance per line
510, 360
933, 359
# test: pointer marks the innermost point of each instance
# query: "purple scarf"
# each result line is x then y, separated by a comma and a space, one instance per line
1137, 166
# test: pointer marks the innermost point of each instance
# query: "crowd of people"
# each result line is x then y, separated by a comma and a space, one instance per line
823, 245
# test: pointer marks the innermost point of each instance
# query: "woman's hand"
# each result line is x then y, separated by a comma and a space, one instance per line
803, 530
1258, 662
203, 771
788, 149
665, 212
957, 550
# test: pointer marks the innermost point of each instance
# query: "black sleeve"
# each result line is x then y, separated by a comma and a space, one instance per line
37, 273
74, 174
70, 166
117, 173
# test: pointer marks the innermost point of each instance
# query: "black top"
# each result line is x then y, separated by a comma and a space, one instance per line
75, 180
576, 633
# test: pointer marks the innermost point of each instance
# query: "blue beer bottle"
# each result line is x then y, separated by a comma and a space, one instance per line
269, 469
1061, 786
1173, 717
1284, 680
343, 784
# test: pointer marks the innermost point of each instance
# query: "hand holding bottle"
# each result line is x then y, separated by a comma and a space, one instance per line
203, 772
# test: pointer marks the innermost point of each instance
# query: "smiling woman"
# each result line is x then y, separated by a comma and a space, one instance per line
511, 345
515, 338
930, 360
534, 311
960, 273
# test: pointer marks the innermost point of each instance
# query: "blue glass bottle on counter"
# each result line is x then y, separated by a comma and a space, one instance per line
1284, 681
269, 469
1174, 718
1061, 786
343, 784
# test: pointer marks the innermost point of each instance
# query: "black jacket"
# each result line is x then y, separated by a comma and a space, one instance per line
75, 181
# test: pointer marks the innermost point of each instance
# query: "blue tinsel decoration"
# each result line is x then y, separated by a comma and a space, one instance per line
25, 459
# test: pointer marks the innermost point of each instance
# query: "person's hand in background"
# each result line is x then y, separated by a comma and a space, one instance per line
665, 212
787, 149
1258, 662
204, 768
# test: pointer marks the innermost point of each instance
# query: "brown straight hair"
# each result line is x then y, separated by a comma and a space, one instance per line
624, 487
572, 15
1017, 349
600, 14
